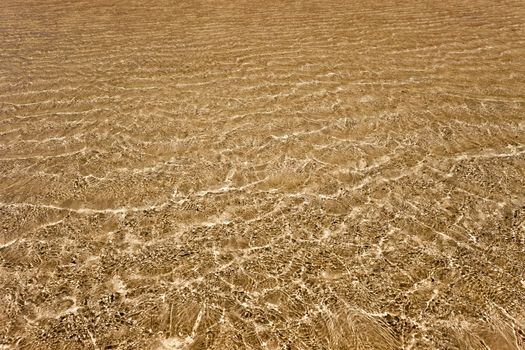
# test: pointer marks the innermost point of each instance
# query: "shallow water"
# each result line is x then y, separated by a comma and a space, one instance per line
262, 175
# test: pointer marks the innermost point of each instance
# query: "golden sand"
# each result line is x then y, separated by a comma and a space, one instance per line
262, 174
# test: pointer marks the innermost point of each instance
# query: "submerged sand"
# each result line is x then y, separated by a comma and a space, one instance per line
262, 174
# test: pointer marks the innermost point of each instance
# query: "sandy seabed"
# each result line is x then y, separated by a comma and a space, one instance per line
262, 174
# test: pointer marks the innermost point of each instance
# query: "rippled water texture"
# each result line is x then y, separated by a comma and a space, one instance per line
262, 174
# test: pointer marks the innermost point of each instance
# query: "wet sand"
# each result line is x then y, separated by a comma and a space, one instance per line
262, 174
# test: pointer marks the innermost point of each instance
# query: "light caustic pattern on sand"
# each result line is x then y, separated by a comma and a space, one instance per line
262, 174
